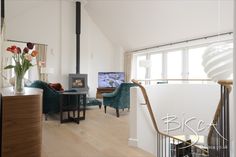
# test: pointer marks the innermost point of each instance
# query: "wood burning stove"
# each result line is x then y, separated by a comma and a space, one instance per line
78, 82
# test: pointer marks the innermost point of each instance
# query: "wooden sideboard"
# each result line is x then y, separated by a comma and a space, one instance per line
21, 122
103, 90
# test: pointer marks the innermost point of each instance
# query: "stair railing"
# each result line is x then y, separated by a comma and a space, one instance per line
167, 145
219, 134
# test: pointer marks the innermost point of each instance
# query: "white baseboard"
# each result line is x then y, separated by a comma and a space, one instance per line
132, 142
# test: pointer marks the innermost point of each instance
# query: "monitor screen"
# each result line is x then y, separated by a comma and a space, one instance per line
110, 79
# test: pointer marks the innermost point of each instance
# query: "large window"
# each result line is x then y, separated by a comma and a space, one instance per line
140, 70
179, 63
174, 65
196, 70
156, 65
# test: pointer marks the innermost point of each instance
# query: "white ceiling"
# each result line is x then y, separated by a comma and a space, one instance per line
135, 24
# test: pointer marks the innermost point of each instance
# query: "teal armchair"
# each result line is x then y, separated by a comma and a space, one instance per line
51, 97
119, 99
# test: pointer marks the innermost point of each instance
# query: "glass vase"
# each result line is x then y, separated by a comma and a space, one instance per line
19, 84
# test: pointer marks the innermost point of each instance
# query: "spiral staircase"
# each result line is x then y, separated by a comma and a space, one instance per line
218, 137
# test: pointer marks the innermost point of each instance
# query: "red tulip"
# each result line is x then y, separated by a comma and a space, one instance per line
25, 50
9, 49
30, 45
18, 50
14, 49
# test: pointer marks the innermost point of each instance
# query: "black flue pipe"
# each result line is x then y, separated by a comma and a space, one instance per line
78, 31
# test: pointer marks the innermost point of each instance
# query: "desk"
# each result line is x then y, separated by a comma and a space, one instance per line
73, 101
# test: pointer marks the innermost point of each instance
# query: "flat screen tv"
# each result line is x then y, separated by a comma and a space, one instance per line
110, 79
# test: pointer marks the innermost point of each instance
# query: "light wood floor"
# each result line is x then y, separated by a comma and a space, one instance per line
99, 135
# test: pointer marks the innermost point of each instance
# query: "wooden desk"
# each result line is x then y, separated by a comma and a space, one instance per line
103, 90
21, 122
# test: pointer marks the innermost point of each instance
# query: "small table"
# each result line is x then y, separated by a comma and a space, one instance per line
73, 101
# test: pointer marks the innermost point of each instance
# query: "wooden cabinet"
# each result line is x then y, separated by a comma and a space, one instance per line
21, 123
103, 90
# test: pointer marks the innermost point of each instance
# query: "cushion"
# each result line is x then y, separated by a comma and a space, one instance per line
56, 86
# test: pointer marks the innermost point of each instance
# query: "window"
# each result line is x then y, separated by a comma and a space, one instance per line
156, 66
140, 71
178, 63
174, 65
196, 70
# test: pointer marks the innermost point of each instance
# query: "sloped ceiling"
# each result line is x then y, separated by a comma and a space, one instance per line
135, 24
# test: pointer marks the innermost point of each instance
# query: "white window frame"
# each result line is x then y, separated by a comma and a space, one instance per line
164, 52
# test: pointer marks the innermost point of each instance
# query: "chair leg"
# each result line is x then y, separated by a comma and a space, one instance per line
105, 109
117, 112
74, 113
46, 116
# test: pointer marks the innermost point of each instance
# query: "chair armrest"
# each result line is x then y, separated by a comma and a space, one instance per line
108, 94
112, 94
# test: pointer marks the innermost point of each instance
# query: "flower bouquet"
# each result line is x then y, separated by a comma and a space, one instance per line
22, 63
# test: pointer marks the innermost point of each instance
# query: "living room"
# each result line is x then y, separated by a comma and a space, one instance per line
109, 32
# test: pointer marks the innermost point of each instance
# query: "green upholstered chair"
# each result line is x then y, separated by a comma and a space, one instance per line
119, 99
51, 97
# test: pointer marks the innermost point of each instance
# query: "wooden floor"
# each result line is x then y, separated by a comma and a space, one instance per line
100, 135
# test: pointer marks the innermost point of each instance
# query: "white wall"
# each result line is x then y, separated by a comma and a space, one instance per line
36, 21
100, 53
185, 101
53, 23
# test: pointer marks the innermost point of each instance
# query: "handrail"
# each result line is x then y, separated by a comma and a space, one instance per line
228, 84
148, 104
154, 119
225, 82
